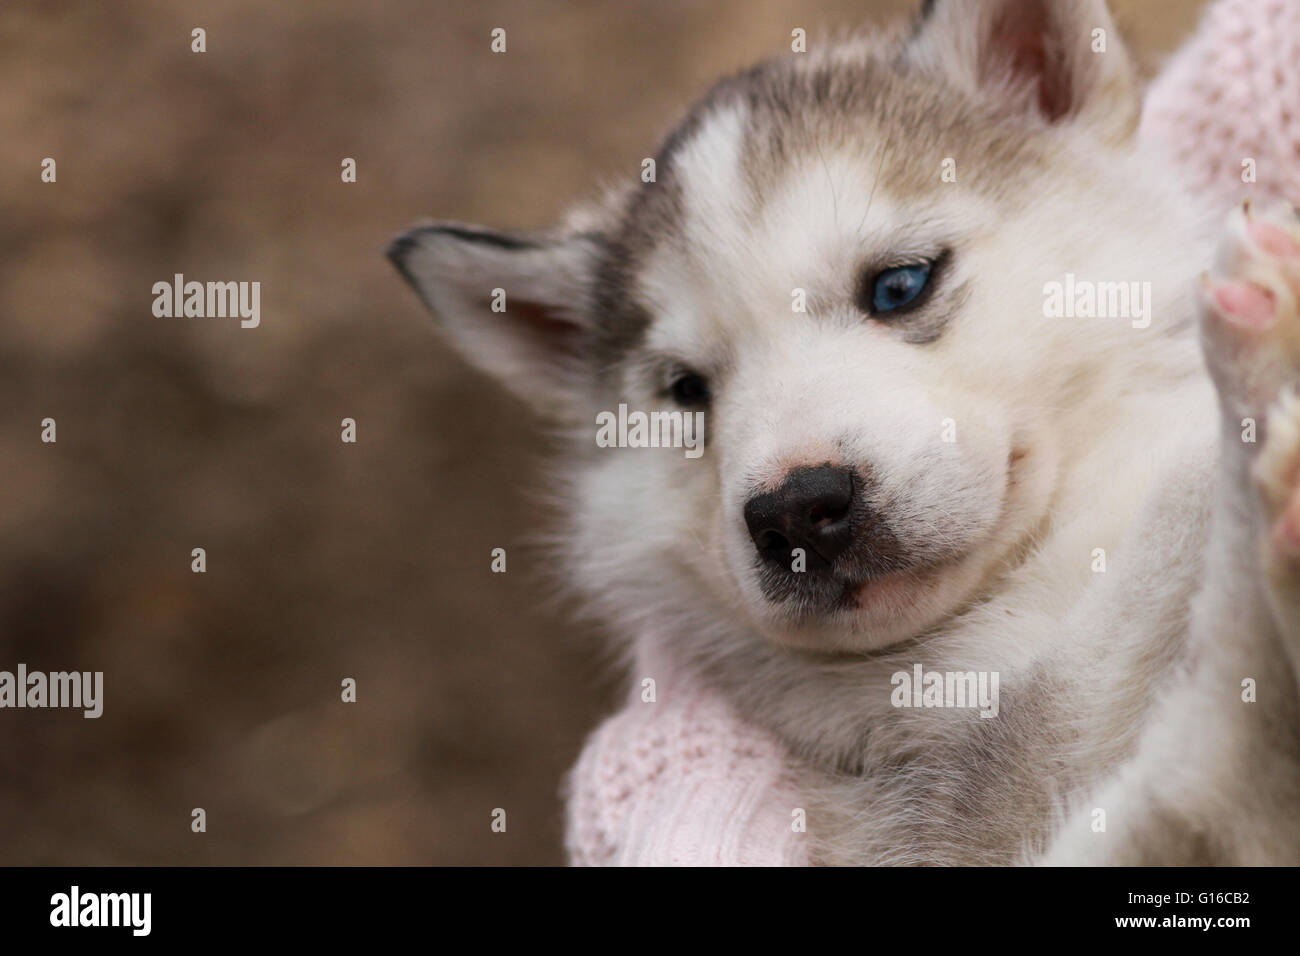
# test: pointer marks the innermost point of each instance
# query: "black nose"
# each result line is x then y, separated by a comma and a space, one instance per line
812, 510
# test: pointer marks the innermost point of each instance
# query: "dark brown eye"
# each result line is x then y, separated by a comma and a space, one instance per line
690, 390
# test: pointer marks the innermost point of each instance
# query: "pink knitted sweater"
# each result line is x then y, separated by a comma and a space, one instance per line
682, 780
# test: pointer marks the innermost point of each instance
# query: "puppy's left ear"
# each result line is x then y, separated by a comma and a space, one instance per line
515, 306
1048, 61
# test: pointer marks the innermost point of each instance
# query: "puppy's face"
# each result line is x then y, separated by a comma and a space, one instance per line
840, 265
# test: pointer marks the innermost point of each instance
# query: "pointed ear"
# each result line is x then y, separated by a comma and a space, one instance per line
516, 307
1050, 61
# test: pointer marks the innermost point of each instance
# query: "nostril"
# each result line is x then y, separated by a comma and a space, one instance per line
771, 542
823, 514
832, 505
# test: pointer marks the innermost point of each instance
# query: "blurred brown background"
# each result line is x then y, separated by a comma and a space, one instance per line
325, 560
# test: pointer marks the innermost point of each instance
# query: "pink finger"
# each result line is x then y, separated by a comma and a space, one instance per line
1273, 240
1245, 303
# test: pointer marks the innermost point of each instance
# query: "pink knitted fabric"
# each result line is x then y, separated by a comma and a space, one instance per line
1229, 95
683, 781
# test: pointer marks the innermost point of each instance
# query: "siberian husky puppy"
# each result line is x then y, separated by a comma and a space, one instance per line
996, 523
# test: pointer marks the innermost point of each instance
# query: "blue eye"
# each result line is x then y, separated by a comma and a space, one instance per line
895, 288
